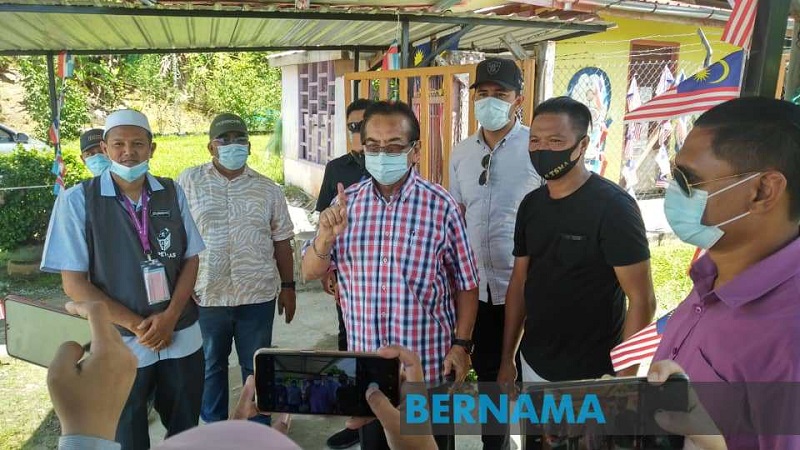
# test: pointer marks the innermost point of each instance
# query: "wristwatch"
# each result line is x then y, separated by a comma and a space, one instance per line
466, 343
287, 284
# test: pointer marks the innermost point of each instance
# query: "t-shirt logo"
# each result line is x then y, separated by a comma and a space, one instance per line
164, 239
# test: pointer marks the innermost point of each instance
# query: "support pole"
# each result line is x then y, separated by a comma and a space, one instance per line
356, 67
51, 77
761, 70
793, 77
404, 44
545, 66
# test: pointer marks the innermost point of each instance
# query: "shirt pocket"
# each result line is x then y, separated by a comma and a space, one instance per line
419, 258
705, 371
571, 249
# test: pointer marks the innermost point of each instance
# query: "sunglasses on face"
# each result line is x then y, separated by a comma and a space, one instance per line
241, 140
374, 149
688, 188
355, 127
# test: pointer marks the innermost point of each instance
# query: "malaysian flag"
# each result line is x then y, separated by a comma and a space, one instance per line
707, 88
739, 28
640, 347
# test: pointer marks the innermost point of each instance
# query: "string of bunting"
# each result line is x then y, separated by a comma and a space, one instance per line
65, 70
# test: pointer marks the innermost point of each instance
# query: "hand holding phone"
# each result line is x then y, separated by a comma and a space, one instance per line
695, 423
35, 330
89, 393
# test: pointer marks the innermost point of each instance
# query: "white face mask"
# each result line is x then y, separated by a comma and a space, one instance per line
492, 113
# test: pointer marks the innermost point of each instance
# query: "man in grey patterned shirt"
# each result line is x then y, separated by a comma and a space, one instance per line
248, 264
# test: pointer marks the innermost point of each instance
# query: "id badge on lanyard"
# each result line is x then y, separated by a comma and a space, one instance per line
153, 271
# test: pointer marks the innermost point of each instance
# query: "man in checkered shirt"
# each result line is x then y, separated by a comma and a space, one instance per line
406, 272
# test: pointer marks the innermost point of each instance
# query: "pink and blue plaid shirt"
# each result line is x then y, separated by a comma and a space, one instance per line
399, 264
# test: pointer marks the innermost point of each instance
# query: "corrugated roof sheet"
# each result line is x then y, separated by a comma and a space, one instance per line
37, 27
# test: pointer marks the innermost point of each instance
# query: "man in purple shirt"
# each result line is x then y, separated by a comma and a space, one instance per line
736, 193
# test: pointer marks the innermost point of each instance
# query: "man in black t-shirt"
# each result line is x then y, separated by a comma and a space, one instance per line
347, 169
580, 247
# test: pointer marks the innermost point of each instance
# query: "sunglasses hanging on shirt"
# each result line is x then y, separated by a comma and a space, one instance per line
486, 163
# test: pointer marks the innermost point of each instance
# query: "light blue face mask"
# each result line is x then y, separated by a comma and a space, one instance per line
387, 168
97, 163
492, 113
232, 156
130, 174
685, 214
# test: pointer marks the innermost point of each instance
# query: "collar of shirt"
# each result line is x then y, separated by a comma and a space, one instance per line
107, 185
514, 130
405, 189
756, 281
211, 168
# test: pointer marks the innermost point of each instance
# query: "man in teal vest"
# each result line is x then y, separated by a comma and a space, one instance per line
127, 239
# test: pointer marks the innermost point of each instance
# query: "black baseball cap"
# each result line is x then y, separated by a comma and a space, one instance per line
498, 70
225, 123
91, 138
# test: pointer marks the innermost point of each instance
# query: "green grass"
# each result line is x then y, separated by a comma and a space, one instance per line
27, 420
670, 266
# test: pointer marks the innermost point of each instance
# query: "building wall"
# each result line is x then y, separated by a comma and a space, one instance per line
610, 52
299, 172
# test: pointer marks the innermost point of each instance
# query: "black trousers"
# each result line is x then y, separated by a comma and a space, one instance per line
342, 338
488, 338
178, 388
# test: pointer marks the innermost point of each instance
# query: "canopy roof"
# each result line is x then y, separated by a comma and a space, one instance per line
101, 26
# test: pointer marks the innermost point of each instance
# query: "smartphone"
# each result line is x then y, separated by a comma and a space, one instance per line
628, 405
35, 330
322, 382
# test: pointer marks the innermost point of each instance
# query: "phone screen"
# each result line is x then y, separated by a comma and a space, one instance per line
35, 331
326, 383
628, 405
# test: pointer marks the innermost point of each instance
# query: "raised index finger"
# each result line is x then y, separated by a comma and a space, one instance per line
342, 198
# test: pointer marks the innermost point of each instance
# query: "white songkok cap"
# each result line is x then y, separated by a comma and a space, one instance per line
126, 117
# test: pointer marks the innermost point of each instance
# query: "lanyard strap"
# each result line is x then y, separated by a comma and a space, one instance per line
141, 225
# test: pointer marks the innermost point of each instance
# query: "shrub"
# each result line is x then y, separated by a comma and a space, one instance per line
25, 213
241, 83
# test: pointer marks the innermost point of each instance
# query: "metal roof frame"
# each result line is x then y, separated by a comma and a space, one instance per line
175, 33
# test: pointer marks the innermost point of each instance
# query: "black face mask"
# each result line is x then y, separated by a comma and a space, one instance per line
358, 157
552, 165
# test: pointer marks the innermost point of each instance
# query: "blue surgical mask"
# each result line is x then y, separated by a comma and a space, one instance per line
492, 113
685, 214
97, 163
130, 174
387, 168
232, 156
